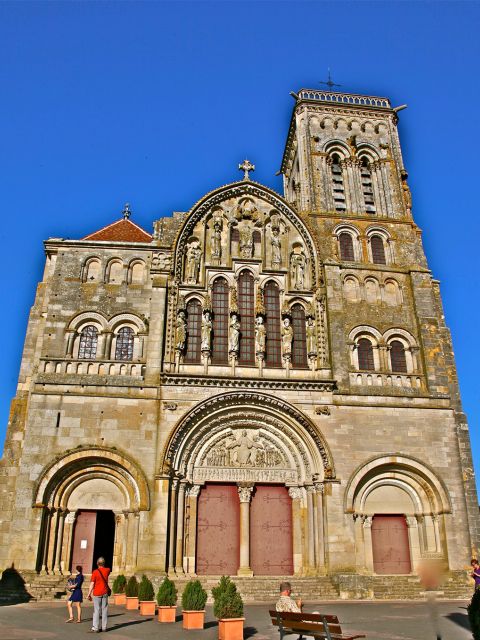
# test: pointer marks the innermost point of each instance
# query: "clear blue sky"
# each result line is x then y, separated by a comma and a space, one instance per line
156, 103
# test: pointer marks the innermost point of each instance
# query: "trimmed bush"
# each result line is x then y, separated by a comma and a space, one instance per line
474, 614
119, 584
145, 590
194, 596
228, 602
167, 594
131, 589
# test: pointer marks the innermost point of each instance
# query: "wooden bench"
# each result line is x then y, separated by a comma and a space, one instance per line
318, 625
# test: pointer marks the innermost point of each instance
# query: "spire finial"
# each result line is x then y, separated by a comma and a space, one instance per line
330, 83
127, 212
246, 167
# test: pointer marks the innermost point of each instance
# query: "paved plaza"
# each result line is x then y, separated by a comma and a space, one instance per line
378, 620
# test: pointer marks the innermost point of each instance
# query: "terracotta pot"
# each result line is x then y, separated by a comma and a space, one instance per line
167, 614
147, 608
132, 602
119, 598
230, 628
193, 619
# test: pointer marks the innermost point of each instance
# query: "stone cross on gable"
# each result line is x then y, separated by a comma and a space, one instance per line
246, 167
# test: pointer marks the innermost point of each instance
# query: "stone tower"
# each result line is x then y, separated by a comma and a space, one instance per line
264, 386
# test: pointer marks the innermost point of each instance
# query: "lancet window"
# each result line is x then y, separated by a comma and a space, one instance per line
378, 250
397, 357
272, 306
220, 322
346, 246
87, 348
246, 308
365, 355
194, 323
299, 346
124, 344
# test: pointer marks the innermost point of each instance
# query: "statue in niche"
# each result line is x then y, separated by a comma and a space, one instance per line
407, 194
206, 330
260, 335
298, 263
311, 335
234, 334
180, 331
246, 210
276, 248
216, 239
192, 269
244, 450
246, 240
287, 337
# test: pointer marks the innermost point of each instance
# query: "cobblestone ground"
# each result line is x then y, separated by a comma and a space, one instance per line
378, 620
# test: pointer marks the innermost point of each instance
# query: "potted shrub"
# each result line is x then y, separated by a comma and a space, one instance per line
194, 598
131, 591
146, 597
228, 608
119, 595
167, 601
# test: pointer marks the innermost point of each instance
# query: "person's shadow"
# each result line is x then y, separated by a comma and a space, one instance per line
459, 618
128, 624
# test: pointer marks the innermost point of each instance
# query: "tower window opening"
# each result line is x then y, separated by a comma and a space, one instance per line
365, 355
367, 186
346, 247
338, 188
378, 250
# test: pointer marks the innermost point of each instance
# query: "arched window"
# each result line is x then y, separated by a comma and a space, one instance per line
220, 322
137, 273
115, 272
271, 296
365, 355
194, 328
378, 250
92, 271
338, 188
246, 309
87, 349
397, 357
367, 186
299, 347
124, 344
346, 246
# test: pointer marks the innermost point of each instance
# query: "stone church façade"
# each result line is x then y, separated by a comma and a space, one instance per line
264, 386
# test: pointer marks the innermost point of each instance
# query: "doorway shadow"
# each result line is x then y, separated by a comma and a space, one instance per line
12, 588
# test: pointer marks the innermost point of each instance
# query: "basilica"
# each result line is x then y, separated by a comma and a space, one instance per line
262, 386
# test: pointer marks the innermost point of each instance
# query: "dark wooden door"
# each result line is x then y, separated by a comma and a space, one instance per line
271, 543
391, 550
218, 530
83, 540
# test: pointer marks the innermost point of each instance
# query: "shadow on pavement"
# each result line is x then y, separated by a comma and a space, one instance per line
210, 624
118, 626
12, 588
459, 618
248, 632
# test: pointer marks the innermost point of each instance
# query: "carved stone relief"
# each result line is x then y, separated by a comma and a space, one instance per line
245, 449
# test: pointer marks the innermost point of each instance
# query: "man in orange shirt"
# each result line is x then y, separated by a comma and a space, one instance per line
100, 590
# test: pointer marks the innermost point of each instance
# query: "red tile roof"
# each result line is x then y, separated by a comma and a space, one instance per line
121, 231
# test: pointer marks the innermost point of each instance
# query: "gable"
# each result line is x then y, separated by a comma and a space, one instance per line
120, 231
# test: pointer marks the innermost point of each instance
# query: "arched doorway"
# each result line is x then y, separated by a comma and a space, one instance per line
252, 468
93, 537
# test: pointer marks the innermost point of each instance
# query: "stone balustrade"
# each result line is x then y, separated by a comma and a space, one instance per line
92, 367
344, 98
376, 379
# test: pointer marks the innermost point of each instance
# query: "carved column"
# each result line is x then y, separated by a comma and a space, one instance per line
59, 542
131, 540
46, 537
71, 335
295, 494
311, 516
52, 541
414, 541
173, 506
68, 535
193, 493
367, 539
180, 528
320, 534
359, 543
245, 494
118, 563
107, 346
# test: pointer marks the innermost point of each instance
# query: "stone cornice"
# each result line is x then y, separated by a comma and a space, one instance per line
247, 383
54, 244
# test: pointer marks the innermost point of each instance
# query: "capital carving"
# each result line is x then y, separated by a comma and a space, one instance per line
295, 493
245, 492
367, 522
194, 491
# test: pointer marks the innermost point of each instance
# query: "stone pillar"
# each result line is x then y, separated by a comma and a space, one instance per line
311, 520
359, 544
191, 551
173, 510
367, 541
59, 542
320, 533
118, 562
414, 542
295, 494
180, 528
107, 346
71, 335
50, 563
436, 529
245, 494
126, 528
131, 546
68, 536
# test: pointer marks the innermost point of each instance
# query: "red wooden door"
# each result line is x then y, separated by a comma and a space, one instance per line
391, 550
271, 543
83, 540
218, 530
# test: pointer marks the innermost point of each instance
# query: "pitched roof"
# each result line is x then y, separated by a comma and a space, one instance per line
121, 231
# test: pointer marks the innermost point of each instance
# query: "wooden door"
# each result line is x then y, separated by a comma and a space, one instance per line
83, 540
271, 542
218, 530
391, 549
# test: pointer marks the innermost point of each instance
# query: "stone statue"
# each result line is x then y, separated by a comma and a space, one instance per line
276, 248
180, 331
260, 335
193, 263
311, 334
216, 239
287, 337
407, 194
206, 330
234, 334
298, 263
245, 450
246, 240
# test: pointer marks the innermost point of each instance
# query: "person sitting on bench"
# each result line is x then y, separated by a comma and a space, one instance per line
286, 602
